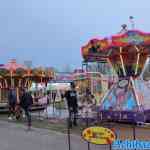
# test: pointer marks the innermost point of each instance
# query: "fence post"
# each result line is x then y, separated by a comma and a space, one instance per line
110, 147
134, 134
87, 125
68, 132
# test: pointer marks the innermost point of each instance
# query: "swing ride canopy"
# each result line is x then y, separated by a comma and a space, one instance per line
18, 75
126, 52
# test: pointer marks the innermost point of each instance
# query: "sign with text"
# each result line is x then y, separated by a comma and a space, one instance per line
99, 135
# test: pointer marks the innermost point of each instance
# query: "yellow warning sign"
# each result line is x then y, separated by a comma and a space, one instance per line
99, 135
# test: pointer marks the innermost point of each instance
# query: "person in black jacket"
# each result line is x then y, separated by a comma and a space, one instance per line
72, 102
12, 100
26, 102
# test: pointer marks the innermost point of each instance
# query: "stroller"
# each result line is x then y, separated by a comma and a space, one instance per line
18, 112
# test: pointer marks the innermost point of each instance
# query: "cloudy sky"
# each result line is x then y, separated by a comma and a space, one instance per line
51, 32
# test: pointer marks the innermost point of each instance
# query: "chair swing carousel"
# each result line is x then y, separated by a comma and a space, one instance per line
127, 54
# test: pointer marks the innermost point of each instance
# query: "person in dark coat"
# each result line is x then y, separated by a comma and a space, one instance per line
26, 102
72, 102
12, 101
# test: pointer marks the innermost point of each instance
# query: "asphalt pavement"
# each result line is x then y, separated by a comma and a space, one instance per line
16, 137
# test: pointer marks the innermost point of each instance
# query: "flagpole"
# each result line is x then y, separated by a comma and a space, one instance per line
132, 22
11, 78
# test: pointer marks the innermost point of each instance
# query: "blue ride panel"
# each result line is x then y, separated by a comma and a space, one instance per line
120, 99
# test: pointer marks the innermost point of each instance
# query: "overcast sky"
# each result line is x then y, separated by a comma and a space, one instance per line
51, 32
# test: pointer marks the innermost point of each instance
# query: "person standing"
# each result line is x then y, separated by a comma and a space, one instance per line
12, 101
88, 105
26, 103
72, 102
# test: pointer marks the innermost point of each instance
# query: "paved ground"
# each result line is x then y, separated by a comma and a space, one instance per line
16, 137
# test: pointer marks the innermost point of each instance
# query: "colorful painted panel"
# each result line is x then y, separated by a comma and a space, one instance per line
132, 37
130, 102
143, 93
121, 97
95, 50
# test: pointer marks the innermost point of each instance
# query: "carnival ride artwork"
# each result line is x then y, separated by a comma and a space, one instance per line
13, 75
127, 53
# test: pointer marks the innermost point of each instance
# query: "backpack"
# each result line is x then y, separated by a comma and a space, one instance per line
26, 100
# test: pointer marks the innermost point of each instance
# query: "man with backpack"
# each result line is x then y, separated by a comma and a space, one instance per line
26, 102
